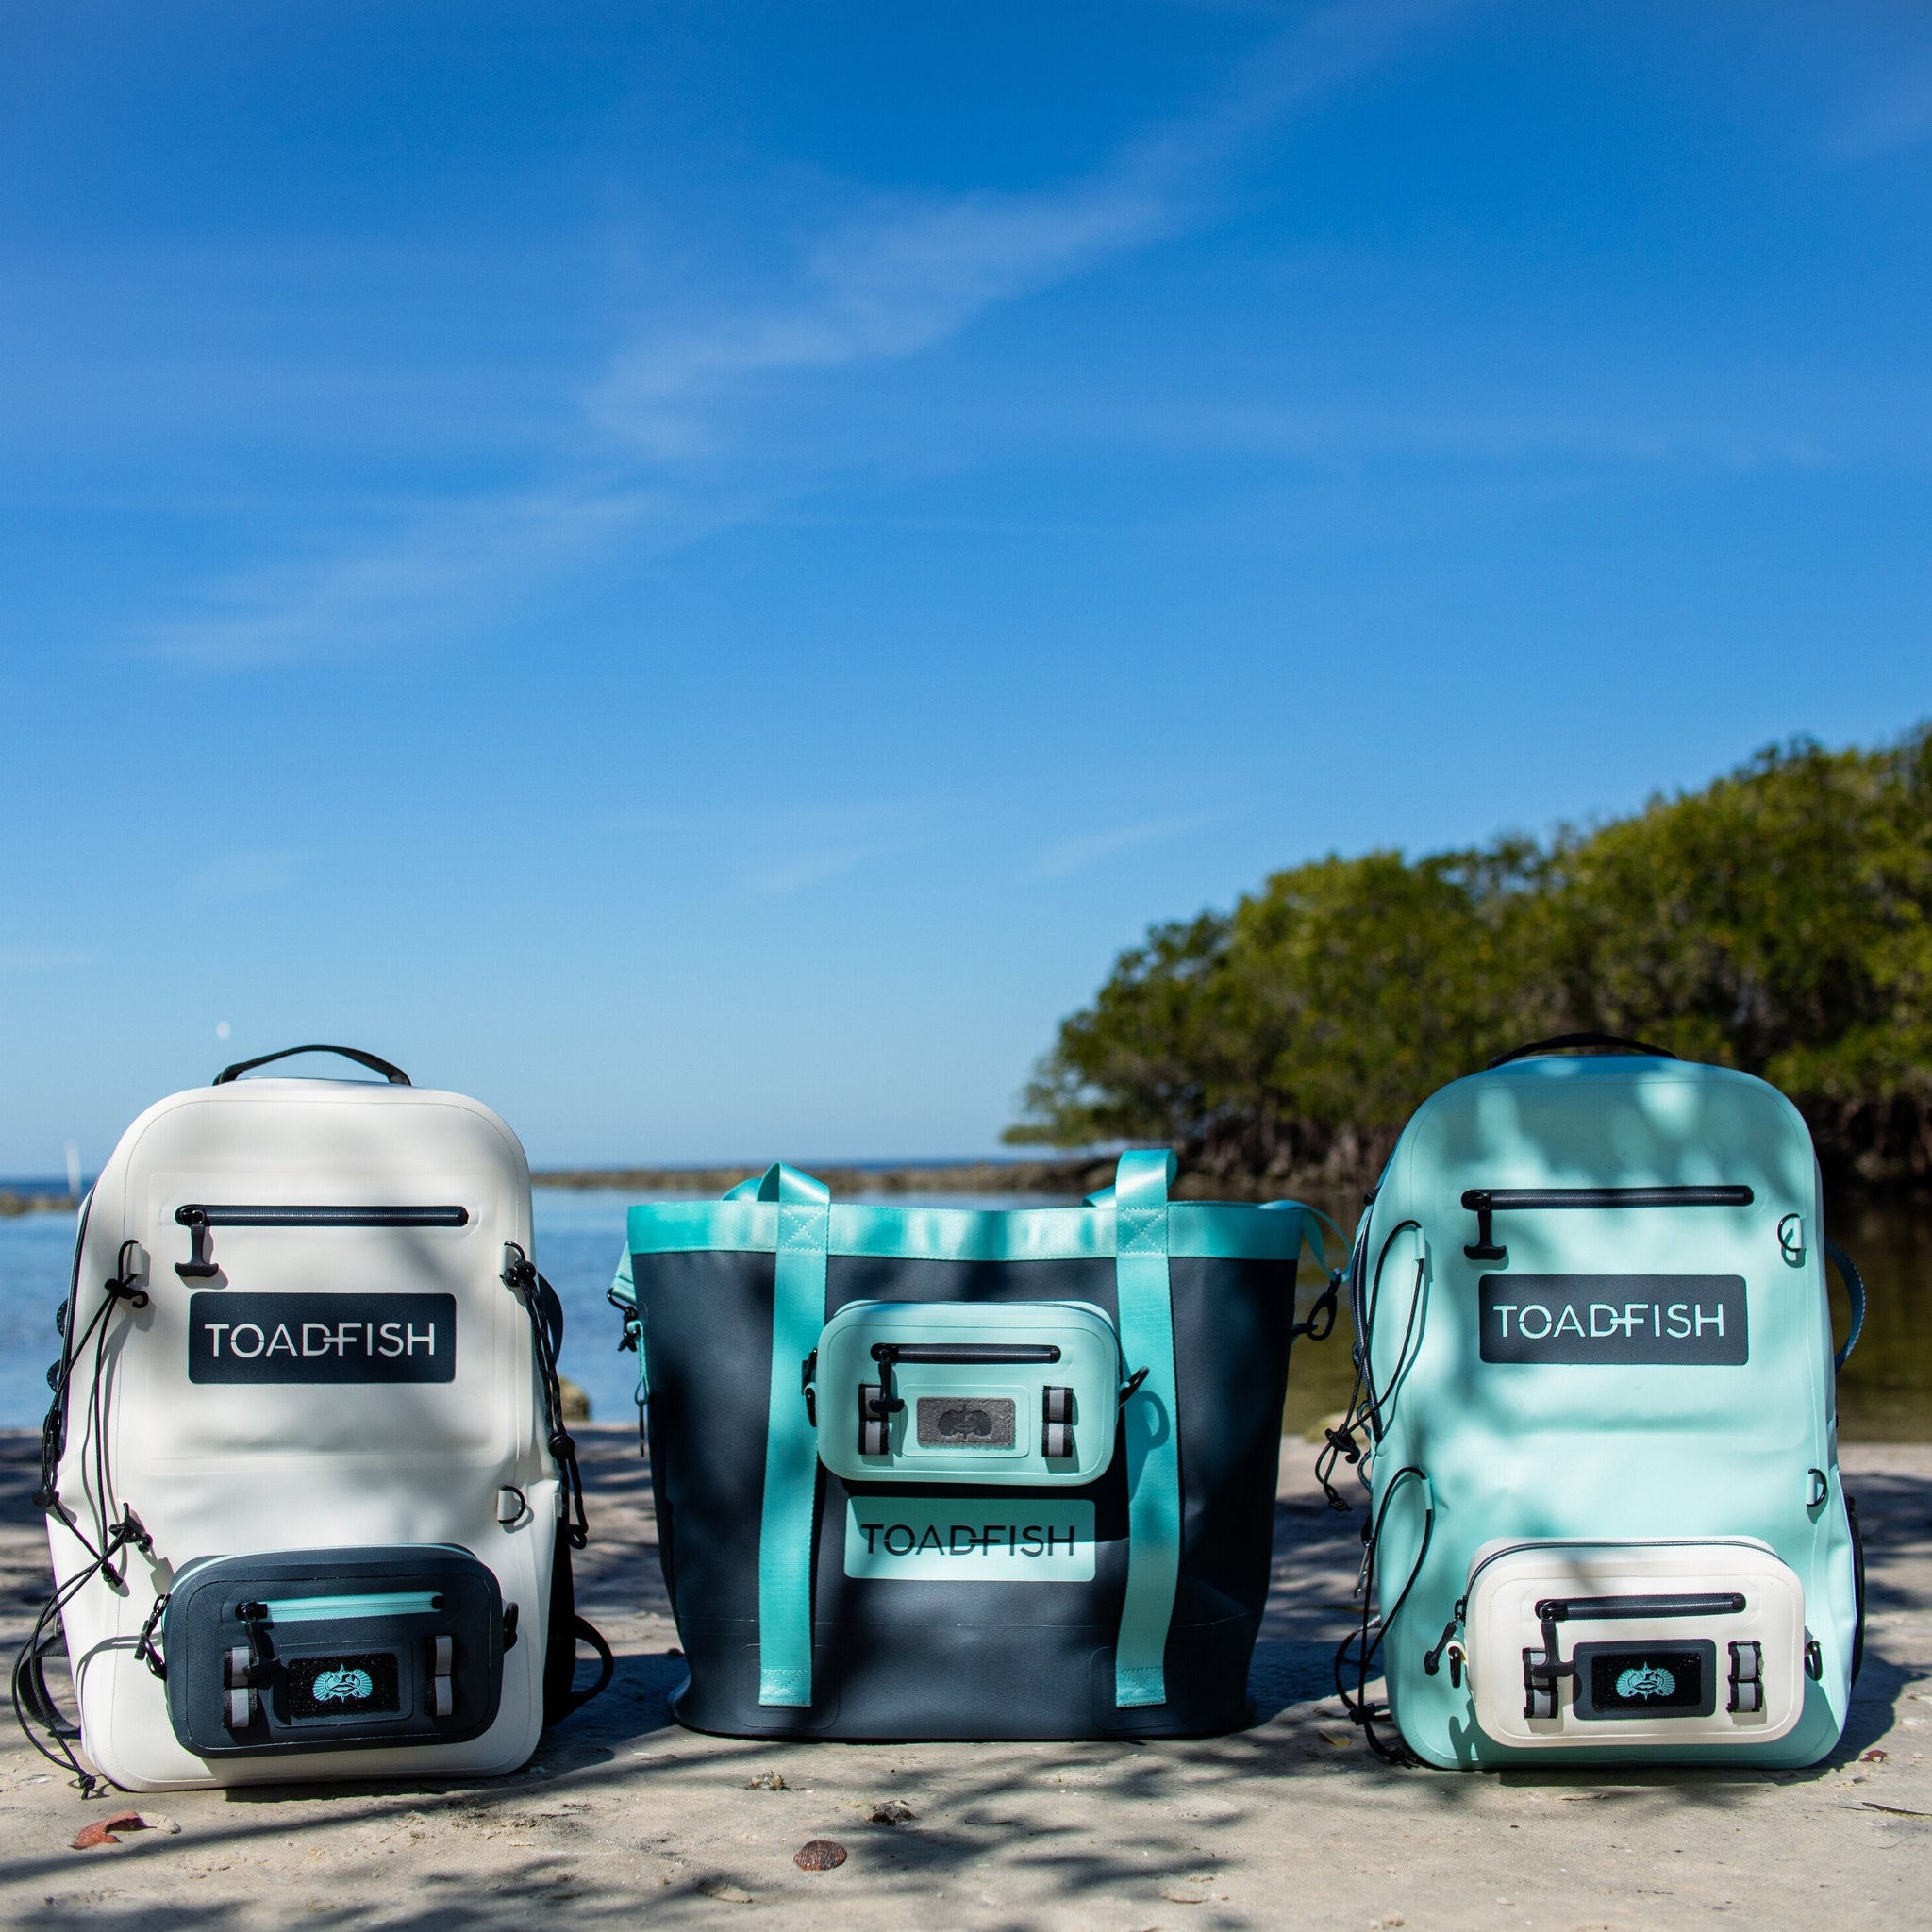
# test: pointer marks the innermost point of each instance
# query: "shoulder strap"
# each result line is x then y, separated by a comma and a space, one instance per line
547, 1334
1154, 1489
790, 1509
1855, 1288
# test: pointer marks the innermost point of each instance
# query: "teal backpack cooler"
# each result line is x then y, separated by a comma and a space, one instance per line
945, 1474
1595, 1401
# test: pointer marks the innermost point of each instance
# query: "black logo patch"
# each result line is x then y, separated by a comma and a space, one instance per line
321, 1338
326, 1687
1579, 1318
964, 1421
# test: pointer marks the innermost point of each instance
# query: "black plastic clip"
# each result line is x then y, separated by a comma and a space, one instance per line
200, 1264
1484, 1248
808, 1374
1320, 1324
145, 1649
126, 1286
1544, 1670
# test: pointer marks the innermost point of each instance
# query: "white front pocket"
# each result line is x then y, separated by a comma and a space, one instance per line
1580, 1646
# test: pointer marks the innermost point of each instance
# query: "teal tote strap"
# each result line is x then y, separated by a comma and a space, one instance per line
1313, 1222
1154, 1488
791, 1463
1319, 1322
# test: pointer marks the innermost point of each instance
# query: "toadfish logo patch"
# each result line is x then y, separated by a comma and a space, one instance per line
972, 1541
1647, 1680
237, 1337
343, 1687
1614, 1319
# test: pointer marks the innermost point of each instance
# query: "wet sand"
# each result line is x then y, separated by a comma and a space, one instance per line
622, 1816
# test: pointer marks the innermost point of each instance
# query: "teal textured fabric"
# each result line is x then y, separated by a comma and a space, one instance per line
748, 1222
1153, 1493
1597, 1448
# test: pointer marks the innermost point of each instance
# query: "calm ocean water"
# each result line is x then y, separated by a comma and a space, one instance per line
1885, 1393
579, 1235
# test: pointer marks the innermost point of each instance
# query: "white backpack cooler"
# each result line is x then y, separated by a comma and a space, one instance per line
310, 1497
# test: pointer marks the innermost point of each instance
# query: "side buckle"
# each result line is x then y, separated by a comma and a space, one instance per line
1544, 1670
1747, 1679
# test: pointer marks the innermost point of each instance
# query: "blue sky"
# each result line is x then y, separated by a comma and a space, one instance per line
696, 570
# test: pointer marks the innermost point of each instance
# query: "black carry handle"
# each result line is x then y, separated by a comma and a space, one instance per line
1602, 1043
1604, 1609
393, 1074
964, 1353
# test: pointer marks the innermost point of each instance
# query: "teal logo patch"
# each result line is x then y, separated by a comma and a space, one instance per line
974, 1541
1647, 1680
342, 1687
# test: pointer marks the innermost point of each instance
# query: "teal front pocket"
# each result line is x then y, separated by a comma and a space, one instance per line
966, 1393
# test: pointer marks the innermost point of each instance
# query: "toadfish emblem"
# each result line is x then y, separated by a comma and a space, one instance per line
342, 1687
1647, 1680
965, 1421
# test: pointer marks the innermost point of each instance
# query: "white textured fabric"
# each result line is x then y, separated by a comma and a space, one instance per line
226, 1469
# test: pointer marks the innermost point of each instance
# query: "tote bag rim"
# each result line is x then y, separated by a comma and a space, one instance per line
1198, 1230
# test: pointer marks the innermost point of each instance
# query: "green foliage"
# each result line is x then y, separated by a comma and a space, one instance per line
1779, 919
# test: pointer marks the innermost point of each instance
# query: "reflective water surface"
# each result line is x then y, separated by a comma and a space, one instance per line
1885, 1392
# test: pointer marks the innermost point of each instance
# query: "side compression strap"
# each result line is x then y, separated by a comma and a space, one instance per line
791, 1462
1154, 1489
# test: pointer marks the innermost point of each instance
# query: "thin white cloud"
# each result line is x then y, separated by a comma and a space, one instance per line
445, 572
1897, 116
801, 873
245, 875
909, 274
1066, 857
42, 959
900, 276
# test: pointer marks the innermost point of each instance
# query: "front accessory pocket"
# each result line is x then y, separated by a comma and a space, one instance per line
1588, 1644
966, 1393
317, 1650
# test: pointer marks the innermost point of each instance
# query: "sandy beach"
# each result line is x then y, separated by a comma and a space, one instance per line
623, 1815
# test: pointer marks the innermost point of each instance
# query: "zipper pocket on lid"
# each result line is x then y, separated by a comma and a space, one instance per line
876, 1400
965, 1354
1584, 1542
316, 1610
1485, 1202
198, 1218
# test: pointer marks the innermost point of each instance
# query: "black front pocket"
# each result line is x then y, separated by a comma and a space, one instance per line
317, 1650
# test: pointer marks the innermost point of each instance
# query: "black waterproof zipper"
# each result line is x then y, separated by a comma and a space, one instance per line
1605, 1610
876, 1399
1484, 1202
198, 1218
965, 1354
